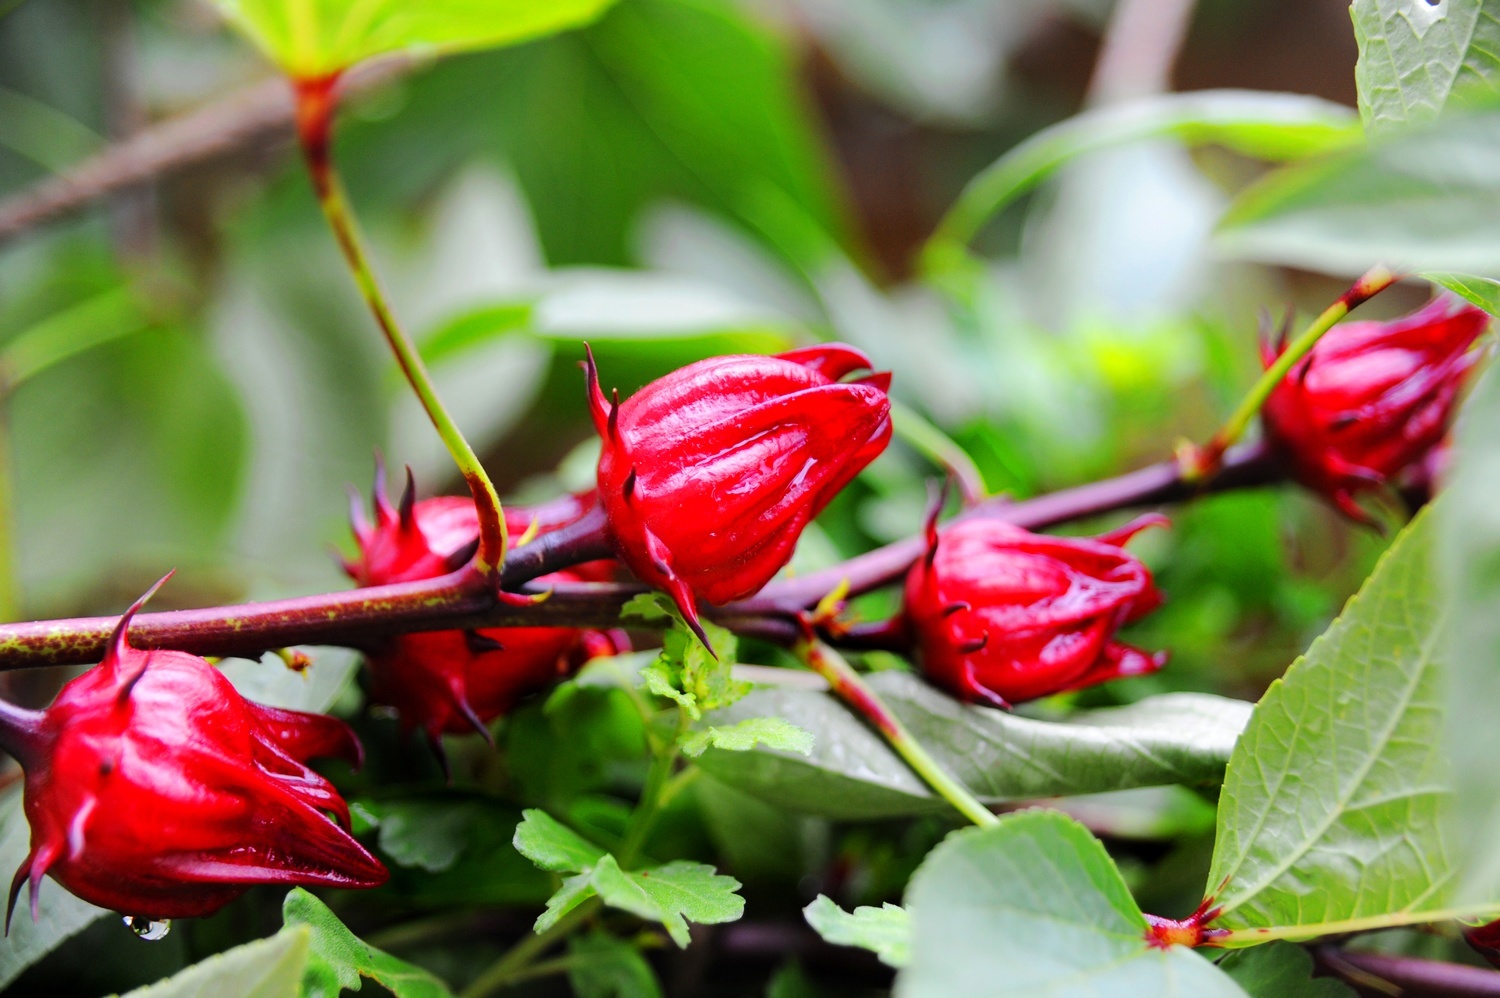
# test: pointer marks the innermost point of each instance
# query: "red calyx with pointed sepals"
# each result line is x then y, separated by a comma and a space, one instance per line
709, 474
1000, 615
154, 788
1371, 399
457, 681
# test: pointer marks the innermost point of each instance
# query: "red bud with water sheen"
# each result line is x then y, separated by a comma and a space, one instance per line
1001, 615
709, 475
1372, 398
154, 788
457, 681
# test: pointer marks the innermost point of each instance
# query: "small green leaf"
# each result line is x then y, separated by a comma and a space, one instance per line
884, 931
574, 891
429, 835
1280, 970
1335, 800
660, 682
601, 966
340, 960
851, 773
685, 671
772, 732
1031, 906
1417, 57
1483, 292
672, 894
266, 968
553, 846
313, 38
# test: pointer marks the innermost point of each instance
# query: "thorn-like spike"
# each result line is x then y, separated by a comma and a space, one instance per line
974, 644
1284, 334
958, 606
614, 414
462, 556
480, 643
468, 713
598, 409
407, 510
358, 521
118, 645
435, 741
40, 863
378, 494
936, 498
15, 890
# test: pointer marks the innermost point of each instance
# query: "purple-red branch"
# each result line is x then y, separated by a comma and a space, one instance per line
361, 617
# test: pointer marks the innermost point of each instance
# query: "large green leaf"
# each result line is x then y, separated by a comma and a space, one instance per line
1270, 126
266, 968
312, 38
885, 931
1280, 970
1416, 56
1334, 802
1422, 199
60, 915
1468, 522
340, 960
851, 773
1035, 906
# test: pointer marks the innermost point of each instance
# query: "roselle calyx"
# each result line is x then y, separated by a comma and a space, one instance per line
1372, 399
709, 474
154, 788
450, 682
1000, 615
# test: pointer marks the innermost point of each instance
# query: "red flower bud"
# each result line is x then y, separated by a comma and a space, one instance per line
1371, 398
456, 681
709, 474
1001, 615
155, 789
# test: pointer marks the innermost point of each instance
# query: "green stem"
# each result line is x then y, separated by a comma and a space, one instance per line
643, 819
10, 583
514, 962
315, 105
853, 690
1199, 463
1369, 923
935, 445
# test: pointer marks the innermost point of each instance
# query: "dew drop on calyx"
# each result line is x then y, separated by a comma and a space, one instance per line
149, 929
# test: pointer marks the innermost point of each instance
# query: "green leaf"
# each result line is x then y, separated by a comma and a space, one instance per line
884, 931
266, 968
426, 834
574, 891
1035, 906
1280, 970
1468, 522
601, 966
771, 732
672, 894
1270, 126
1417, 57
1421, 199
1483, 292
553, 846
340, 960
313, 38
60, 916
1179, 738
686, 671
1334, 801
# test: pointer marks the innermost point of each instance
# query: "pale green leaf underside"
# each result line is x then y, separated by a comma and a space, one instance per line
338, 960
884, 931
312, 38
1035, 906
851, 773
1335, 799
266, 968
1416, 56
770, 732
1424, 199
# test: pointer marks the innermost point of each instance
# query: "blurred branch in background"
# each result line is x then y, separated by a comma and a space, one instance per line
1140, 48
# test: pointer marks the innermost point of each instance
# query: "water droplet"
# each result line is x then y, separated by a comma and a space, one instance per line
149, 929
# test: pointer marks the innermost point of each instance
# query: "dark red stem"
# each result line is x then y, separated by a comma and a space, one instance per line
1413, 976
360, 617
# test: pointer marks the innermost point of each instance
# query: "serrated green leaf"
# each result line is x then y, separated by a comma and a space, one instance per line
427, 834
1179, 738
1421, 199
1280, 970
1031, 906
770, 732
1417, 57
1271, 126
1334, 802
313, 38
601, 966
672, 894
574, 891
659, 681
553, 846
686, 671
884, 931
266, 968
340, 960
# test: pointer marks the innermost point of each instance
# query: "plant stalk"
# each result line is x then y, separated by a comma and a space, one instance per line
854, 691
513, 963
316, 101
